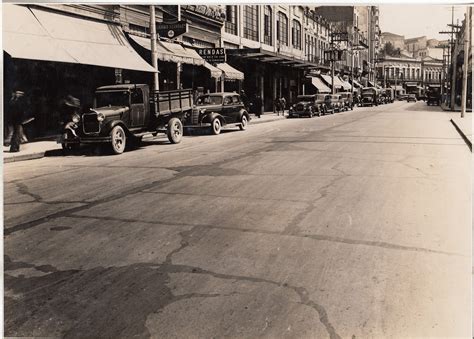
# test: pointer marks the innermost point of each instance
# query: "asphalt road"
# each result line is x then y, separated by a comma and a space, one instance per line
353, 225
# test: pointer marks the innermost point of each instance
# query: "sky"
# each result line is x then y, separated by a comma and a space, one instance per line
418, 20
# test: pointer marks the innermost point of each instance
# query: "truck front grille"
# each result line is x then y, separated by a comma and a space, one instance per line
90, 123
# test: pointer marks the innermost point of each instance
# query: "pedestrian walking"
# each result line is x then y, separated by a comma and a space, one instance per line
17, 116
283, 105
258, 106
276, 106
245, 100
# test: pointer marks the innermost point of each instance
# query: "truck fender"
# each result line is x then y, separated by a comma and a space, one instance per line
209, 117
111, 124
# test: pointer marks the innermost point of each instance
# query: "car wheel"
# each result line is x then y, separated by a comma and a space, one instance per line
119, 140
243, 123
175, 131
216, 126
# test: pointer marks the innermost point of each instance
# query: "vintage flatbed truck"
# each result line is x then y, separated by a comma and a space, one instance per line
127, 112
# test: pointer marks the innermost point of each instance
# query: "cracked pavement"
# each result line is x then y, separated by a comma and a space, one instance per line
354, 225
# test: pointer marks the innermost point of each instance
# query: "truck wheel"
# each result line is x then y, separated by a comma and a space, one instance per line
216, 126
243, 123
174, 130
119, 139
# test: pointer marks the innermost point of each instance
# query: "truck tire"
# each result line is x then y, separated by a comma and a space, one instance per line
216, 126
243, 123
119, 139
174, 131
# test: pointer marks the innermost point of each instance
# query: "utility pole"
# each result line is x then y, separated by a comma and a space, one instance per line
333, 61
154, 53
451, 58
178, 64
467, 28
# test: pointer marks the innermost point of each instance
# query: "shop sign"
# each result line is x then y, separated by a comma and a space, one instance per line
333, 55
212, 55
211, 11
171, 31
339, 36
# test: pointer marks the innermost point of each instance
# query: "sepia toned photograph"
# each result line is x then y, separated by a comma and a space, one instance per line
262, 170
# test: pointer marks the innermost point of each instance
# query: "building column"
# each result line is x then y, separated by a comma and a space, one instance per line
262, 92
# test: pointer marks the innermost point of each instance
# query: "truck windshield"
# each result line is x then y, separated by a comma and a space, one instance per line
118, 98
209, 100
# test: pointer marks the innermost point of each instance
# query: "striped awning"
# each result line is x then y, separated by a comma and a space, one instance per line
320, 86
230, 73
35, 34
171, 52
215, 72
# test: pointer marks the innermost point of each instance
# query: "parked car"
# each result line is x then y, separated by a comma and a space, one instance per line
333, 103
347, 100
128, 112
433, 95
217, 110
402, 97
307, 105
411, 97
370, 96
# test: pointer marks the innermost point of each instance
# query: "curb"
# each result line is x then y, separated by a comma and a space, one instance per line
461, 133
23, 157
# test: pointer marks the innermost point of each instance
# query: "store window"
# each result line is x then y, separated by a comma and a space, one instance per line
231, 20
267, 25
282, 28
251, 22
296, 38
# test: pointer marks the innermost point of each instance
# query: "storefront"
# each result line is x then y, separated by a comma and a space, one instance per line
49, 54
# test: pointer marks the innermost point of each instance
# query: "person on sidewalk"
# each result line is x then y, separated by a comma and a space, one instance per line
17, 115
283, 105
277, 106
258, 106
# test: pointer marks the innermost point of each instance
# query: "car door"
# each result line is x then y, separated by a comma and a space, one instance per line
137, 108
227, 109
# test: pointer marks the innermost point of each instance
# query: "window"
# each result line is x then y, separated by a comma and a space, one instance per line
251, 22
231, 20
137, 96
267, 25
282, 28
228, 101
235, 99
296, 32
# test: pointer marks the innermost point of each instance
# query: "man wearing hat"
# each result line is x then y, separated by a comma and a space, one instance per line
16, 116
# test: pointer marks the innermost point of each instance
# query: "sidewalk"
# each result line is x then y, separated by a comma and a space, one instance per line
38, 149
463, 126
456, 108
28, 151
266, 117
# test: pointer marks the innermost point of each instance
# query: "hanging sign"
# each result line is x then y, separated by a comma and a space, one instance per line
171, 31
212, 55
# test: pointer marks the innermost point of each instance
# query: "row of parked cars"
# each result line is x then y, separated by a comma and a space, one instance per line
321, 104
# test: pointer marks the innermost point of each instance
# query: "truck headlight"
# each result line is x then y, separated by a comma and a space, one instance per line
100, 117
76, 118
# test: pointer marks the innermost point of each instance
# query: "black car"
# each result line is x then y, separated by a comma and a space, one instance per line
411, 97
216, 110
308, 105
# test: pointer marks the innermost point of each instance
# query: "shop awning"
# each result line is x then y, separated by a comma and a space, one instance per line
318, 83
35, 34
326, 79
230, 72
171, 52
347, 86
215, 72
356, 84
